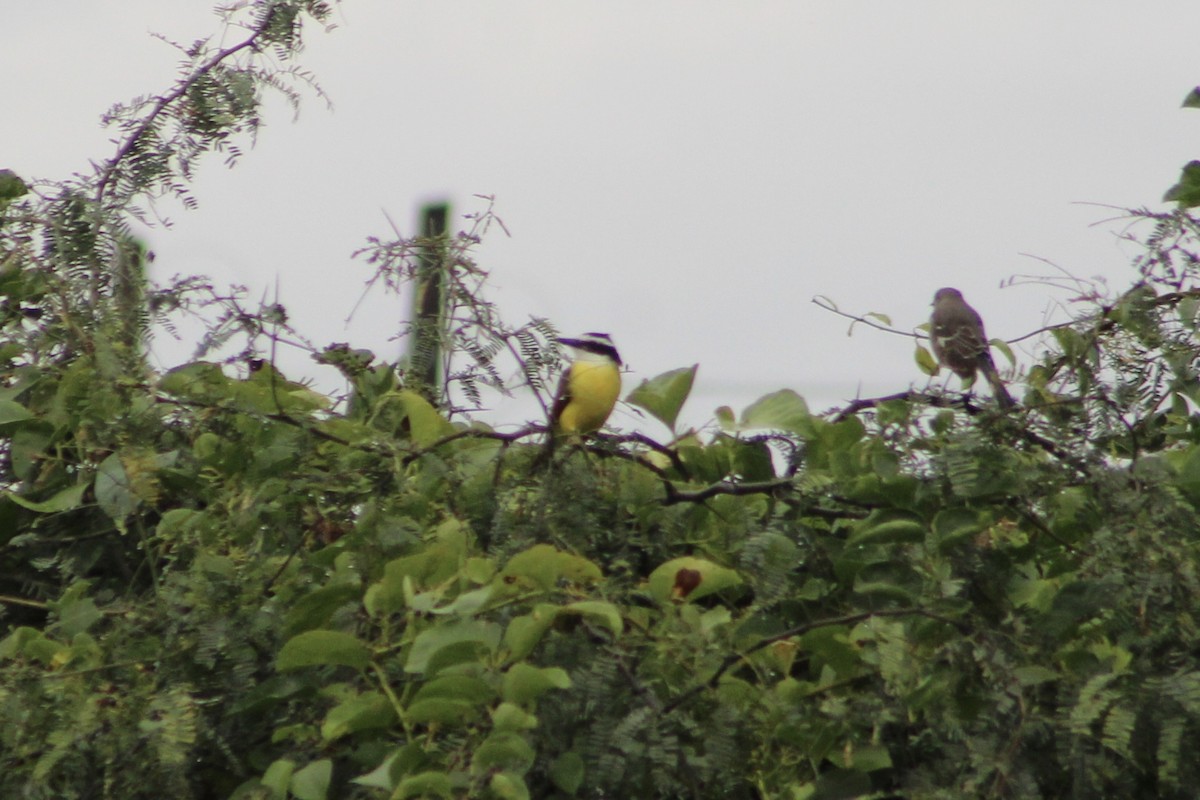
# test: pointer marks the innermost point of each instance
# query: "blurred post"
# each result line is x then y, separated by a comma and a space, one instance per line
429, 299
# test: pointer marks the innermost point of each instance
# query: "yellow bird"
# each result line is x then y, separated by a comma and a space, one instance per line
589, 386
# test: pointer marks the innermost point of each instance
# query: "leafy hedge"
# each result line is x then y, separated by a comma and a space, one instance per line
217, 583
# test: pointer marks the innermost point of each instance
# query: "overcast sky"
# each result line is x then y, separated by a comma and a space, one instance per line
686, 175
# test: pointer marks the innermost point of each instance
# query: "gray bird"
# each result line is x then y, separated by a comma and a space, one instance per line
956, 333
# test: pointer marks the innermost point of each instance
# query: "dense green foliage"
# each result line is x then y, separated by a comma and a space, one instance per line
217, 583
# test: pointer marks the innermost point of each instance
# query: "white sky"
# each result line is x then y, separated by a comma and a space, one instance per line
684, 174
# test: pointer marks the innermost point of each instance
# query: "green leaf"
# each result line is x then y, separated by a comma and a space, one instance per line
1187, 191
444, 711
113, 492
323, 648
605, 613
365, 712
887, 527
925, 360
511, 717
567, 772
1034, 675
543, 566
664, 395
952, 526
868, 758
426, 784
462, 687
11, 414
689, 578
524, 632
1193, 99
65, 500
1003, 347
278, 777
201, 380
502, 751
312, 782
508, 786
783, 410
524, 683
315, 609
401, 762
484, 636
426, 425
76, 611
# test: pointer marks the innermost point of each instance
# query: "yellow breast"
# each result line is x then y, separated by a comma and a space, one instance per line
593, 389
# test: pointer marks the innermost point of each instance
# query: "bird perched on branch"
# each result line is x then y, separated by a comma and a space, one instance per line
587, 391
956, 333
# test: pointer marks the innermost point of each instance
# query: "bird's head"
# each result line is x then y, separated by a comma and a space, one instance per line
947, 293
595, 344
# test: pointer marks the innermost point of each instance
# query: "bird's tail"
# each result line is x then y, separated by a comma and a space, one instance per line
998, 388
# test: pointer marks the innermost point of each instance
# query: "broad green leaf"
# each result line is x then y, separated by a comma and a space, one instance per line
782, 410
605, 613
443, 711
467, 604
543, 566
524, 632
508, 786
267, 390
31, 643
1034, 675
664, 395
689, 578
312, 782
12, 413
567, 772
1003, 347
887, 527
65, 500
113, 492
484, 635
27, 447
322, 648
400, 762
467, 688
278, 777
952, 526
511, 717
76, 610
925, 360
870, 757
315, 609
200, 380
524, 683
502, 751
365, 712
1187, 191
426, 425
424, 785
